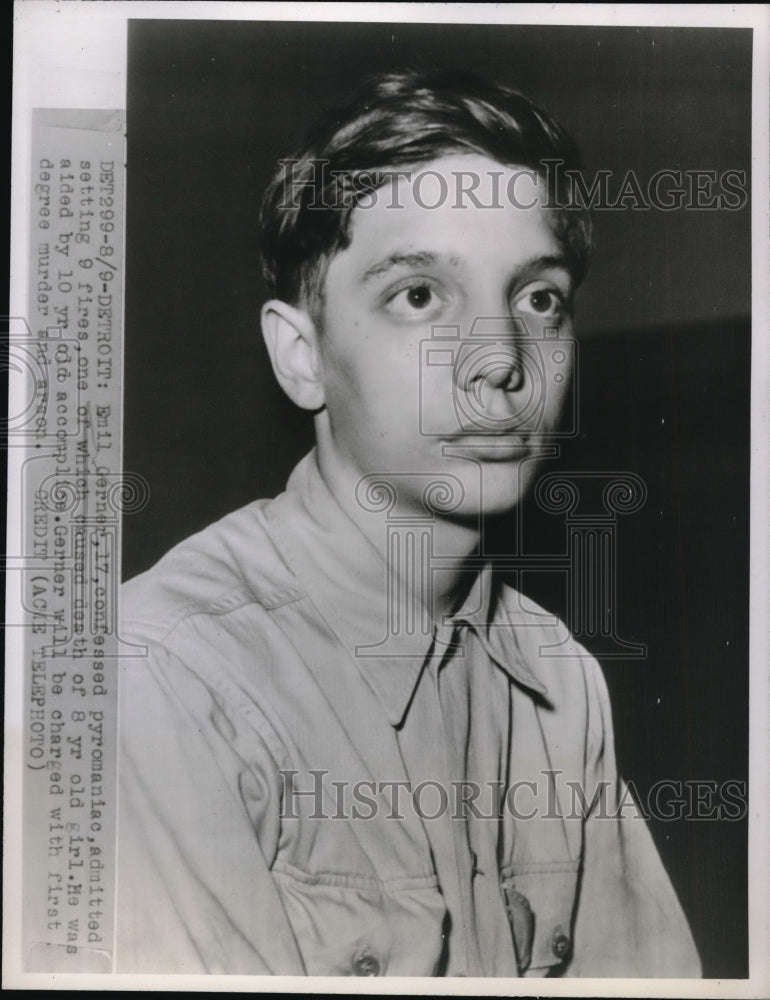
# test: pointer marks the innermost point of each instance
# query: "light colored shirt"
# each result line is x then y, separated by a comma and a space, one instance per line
295, 798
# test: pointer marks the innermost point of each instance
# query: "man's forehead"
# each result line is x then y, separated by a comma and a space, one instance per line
388, 240
462, 181
447, 191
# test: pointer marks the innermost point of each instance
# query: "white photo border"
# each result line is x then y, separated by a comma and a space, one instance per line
74, 55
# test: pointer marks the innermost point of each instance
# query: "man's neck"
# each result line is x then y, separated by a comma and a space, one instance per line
379, 509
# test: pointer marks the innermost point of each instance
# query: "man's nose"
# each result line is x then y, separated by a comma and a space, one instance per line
491, 356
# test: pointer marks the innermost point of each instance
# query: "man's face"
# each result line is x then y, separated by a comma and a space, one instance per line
404, 393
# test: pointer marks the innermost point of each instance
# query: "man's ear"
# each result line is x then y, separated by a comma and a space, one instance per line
292, 343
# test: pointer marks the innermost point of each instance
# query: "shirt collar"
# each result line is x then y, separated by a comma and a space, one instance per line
347, 579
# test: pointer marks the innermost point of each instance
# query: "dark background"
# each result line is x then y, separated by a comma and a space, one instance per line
663, 324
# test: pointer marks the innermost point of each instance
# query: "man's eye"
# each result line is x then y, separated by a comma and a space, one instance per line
415, 299
541, 302
419, 297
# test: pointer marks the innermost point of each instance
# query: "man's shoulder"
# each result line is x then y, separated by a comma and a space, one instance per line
232, 562
551, 651
532, 622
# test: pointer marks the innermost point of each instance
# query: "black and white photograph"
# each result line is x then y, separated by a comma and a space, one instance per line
386, 544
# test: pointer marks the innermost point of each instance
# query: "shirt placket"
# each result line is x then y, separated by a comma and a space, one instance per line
434, 743
487, 768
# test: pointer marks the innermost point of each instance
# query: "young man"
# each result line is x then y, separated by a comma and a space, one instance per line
346, 749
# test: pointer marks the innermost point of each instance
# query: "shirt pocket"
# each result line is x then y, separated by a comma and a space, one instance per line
540, 901
347, 925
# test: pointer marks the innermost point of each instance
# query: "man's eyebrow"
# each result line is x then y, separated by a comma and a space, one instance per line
417, 258
426, 258
558, 261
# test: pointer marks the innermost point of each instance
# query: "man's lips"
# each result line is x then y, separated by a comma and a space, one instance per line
495, 446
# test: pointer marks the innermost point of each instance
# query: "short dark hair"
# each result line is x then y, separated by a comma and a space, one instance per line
394, 121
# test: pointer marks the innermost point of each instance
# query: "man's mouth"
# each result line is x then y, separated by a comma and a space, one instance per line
492, 445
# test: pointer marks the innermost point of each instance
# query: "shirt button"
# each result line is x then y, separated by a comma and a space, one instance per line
559, 943
366, 964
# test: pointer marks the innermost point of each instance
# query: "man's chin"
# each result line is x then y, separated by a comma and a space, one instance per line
493, 488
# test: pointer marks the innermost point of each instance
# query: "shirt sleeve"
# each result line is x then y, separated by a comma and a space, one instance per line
198, 822
628, 921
